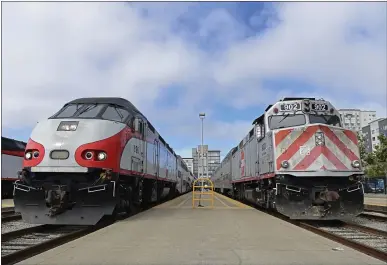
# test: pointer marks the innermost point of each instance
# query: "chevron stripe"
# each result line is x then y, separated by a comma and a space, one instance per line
338, 153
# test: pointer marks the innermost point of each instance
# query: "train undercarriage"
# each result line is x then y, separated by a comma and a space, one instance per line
307, 198
84, 198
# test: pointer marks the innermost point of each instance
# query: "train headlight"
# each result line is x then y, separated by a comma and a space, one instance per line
285, 164
102, 156
89, 155
319, 138
68, 126
28, 155
356, 164
36, 154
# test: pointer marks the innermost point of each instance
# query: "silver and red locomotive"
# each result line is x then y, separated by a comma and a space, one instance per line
96, 157
299, 160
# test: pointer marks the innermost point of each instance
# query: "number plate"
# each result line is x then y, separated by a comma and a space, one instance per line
290, 107
319, 106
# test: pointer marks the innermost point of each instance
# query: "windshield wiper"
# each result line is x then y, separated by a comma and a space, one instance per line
287, 115
119, 114
87, 109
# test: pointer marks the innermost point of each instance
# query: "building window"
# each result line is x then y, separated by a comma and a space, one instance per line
373, 138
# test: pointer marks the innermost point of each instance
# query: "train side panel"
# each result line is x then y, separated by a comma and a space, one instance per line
235, 166
11, 164
265, 155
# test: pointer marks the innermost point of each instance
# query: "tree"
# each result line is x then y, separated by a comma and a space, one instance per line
376, 162
363, 153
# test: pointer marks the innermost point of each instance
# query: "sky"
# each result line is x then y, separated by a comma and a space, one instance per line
174, 60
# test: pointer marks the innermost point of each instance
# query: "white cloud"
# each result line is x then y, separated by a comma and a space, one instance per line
54, 52
315, 43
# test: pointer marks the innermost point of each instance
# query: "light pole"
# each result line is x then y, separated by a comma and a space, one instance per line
202, 116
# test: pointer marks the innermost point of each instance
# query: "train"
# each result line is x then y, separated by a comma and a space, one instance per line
12, 153
96, 157
297, 160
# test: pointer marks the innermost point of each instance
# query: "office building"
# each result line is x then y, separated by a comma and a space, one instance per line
356, 119
371, 133
210, 162
189, 162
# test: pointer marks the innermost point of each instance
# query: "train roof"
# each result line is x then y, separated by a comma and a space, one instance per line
260, 118
124, 103
12, 145
298, 98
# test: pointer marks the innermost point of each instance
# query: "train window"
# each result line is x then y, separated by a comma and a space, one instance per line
115, 114
325, 119
90, 111
69, 111
284, 121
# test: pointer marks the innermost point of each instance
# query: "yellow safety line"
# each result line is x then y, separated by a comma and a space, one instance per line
222, 202
239, 204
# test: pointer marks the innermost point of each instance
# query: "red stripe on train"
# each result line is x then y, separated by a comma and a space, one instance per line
328, 133
147, 176
316, 152
293, 148
13, 153
263, 176
281, 135
352, 136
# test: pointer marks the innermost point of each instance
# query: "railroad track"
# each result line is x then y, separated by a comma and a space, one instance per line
8, 214
18, 245
24, 243
365, 239
373, 215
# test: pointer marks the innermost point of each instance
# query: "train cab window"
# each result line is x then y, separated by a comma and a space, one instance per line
69, 111
325, 119
90, 111
115, 114
285, 121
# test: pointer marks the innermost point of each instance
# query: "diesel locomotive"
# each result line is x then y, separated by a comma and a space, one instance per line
96, 157
297, 160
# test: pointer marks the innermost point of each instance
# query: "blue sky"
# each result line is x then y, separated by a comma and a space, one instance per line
174, 60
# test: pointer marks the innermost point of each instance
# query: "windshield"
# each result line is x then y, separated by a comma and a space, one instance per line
284, 121
99, 111
325, 119
69, 111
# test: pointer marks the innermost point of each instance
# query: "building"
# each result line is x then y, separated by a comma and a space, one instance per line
189, 162
211, 161
371, 133
356, 119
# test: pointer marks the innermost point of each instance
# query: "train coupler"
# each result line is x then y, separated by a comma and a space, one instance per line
58, 201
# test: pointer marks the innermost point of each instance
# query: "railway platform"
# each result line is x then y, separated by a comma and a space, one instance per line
375, 202
5, 203
175, 233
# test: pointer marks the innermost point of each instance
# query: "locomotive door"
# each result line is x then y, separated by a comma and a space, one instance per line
142, 145
156, 160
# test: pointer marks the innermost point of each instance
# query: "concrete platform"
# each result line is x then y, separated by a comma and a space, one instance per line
7, 203
175, 234
375, 202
